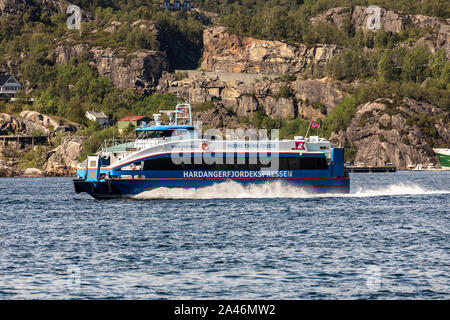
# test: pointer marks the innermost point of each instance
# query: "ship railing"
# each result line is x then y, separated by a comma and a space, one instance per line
146, 143
117, 145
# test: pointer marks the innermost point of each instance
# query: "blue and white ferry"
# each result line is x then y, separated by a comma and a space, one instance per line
178, 156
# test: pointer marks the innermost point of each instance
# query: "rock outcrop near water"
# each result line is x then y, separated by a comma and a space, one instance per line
401, 133
227, 52
33, 123
60, 161
63, 160
8, 168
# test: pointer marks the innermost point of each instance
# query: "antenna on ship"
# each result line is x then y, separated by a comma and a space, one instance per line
307, 131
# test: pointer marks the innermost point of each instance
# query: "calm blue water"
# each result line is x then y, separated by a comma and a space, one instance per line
389, 239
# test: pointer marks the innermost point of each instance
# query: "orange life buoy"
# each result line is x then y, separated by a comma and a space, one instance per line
205, 146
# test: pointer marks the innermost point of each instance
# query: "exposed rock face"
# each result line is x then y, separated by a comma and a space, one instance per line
32, 172
18, 7
40, 119
30, 122
443, 39
380, 135
37, 8
392, 21
227, 52
273, 96
10, 124
64, 52
62, 160
7, 168
217, 118
337, 16
140, 69
318, 92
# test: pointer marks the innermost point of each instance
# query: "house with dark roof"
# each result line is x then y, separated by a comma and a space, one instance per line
9, 85
99, 117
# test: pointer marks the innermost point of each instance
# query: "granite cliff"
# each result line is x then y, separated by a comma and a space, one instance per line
276, 97
399, 132
226, 52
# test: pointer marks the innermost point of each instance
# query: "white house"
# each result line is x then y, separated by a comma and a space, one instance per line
9, 84
99, 117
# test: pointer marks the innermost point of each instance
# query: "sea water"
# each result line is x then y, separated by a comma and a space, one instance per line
387, 239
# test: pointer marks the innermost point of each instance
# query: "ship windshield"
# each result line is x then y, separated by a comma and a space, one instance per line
155, 134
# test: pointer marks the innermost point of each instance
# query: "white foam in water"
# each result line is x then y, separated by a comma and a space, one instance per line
234, 190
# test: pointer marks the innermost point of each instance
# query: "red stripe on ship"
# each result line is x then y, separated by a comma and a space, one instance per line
300, 186
268, 178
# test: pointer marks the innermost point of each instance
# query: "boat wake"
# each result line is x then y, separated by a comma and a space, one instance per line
234, 190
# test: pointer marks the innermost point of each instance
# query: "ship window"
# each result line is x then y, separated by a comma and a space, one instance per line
285, 163
161, 164
313, 163
294, 163
153, 134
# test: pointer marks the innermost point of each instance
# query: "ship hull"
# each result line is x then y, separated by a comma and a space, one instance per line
310, 171
119, 188
444, 158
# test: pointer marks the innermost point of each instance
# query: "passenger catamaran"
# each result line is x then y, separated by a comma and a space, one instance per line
178, 156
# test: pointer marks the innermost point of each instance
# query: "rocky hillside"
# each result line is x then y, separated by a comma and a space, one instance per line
401, 133
393, 21
276, 97
56, 156
382, 94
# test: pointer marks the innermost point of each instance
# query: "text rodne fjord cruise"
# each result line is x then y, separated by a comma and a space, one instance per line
177, 156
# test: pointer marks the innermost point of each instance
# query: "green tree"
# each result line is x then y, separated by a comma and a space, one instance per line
415, 65
340, 117
445, 75
386, 66
437, 63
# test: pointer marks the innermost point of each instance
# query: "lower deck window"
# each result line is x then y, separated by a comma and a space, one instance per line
285, 163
